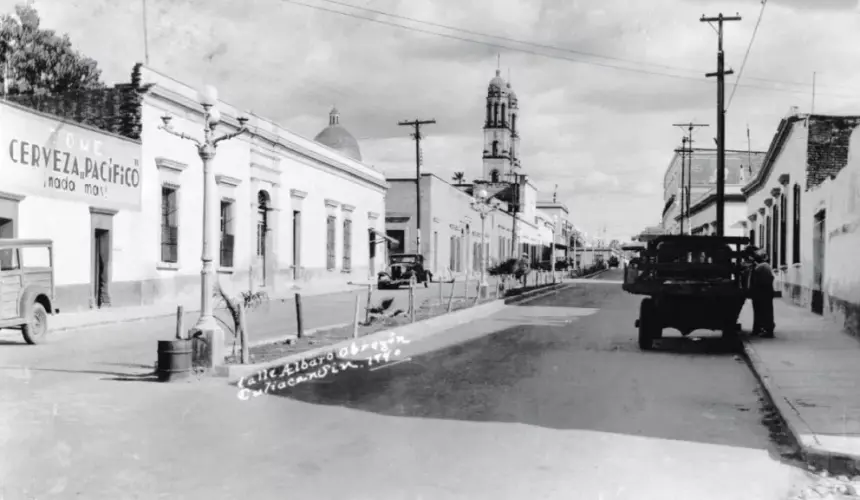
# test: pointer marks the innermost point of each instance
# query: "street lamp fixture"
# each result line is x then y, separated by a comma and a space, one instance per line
481, 205
206, 325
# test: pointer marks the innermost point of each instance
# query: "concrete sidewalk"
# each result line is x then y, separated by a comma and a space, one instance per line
811, 371
112, 315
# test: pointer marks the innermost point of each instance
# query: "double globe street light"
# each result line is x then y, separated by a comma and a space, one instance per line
206, 325
482, 205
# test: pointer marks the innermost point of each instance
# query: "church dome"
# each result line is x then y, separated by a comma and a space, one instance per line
511, 92
498, 83
338, 138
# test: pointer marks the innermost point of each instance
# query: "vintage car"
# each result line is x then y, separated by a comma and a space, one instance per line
401, 269
613, 261
26, 286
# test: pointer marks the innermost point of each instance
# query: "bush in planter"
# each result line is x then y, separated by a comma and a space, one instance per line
247, 299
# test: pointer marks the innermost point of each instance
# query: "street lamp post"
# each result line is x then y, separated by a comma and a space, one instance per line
206, 325
480, 204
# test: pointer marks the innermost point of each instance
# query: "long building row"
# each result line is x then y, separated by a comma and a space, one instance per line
121, 199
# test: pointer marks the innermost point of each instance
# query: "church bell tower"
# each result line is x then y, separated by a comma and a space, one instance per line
501, 138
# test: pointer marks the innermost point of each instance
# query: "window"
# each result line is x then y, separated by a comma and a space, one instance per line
399, 235
452, 258
169, 225
774, 236
262, 222
227, 239
495, 114
330, 242
8, 259
347, 245
504, 118
768, 229
495, 148
494, 176
795, 235
752, 236
783, 226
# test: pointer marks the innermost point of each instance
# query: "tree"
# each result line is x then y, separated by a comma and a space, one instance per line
459, 177
39, 60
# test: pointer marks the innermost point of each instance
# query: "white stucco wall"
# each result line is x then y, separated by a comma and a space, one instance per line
297, 173
840, 198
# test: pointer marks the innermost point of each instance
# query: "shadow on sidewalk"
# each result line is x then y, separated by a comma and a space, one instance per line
118, 376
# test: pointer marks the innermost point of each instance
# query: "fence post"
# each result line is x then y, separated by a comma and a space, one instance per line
299, 332
355, 321
243, 335
180, 322
451, 296
369, 304
412, 300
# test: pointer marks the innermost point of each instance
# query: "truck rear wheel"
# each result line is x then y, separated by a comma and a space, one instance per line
36, 329
648, 325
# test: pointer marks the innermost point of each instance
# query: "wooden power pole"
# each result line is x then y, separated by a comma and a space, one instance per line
417, 136
686, 173
721, 117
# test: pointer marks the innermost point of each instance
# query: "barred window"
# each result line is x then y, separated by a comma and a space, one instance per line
795, 237
347, 245
227, 238
330, 242
783, 227
169, 225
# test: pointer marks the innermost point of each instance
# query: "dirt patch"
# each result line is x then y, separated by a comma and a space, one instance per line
269, 352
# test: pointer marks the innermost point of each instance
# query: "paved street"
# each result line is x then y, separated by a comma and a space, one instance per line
550, 399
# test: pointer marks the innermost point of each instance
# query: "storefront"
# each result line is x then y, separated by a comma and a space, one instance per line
72, 184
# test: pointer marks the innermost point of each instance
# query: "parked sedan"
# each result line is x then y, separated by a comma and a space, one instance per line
401, 269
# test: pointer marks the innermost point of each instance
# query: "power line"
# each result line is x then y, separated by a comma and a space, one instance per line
543, 46
747, 54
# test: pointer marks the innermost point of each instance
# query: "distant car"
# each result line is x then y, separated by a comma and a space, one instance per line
401, 269
613, 261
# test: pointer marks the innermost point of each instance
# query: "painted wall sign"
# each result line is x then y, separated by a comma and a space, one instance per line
41, 156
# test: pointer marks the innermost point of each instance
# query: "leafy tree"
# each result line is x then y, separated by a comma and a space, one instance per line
39, 60
459, 177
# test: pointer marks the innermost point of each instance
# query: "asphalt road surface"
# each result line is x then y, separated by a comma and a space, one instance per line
570, 363
550, 399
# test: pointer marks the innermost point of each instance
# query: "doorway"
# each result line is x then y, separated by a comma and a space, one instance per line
7, 228
371, 251
260, 261
101, 266
297, 243
818, 248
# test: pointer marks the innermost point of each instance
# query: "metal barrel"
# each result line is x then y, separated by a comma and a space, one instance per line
174, 360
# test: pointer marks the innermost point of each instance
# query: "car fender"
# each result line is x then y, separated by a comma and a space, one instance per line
31, 295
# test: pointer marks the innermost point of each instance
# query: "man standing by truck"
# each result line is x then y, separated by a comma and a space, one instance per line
761, 290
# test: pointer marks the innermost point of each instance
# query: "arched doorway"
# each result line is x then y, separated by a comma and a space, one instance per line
263, 240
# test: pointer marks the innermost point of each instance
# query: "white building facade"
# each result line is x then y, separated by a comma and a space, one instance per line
804, 209
293, 211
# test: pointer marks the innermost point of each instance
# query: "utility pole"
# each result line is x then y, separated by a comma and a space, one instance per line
721, 117
417, 136
686, 174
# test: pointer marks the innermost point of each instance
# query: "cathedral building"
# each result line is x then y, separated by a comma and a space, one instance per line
450, 226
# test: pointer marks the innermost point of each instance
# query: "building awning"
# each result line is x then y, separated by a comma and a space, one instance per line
384, 237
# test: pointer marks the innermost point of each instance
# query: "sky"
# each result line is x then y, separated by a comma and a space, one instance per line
600, 82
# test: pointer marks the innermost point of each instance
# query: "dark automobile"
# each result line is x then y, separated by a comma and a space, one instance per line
613, 261
401, 269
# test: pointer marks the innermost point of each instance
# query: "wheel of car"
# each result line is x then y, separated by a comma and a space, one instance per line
36, 329
647, 324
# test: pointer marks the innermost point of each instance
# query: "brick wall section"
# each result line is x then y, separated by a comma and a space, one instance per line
116, 110
827, 149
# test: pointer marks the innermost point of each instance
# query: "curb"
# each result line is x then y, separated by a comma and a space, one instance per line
813, 454
415, 330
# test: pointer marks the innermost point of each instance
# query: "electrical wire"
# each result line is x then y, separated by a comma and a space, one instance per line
747, 54
544, 46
